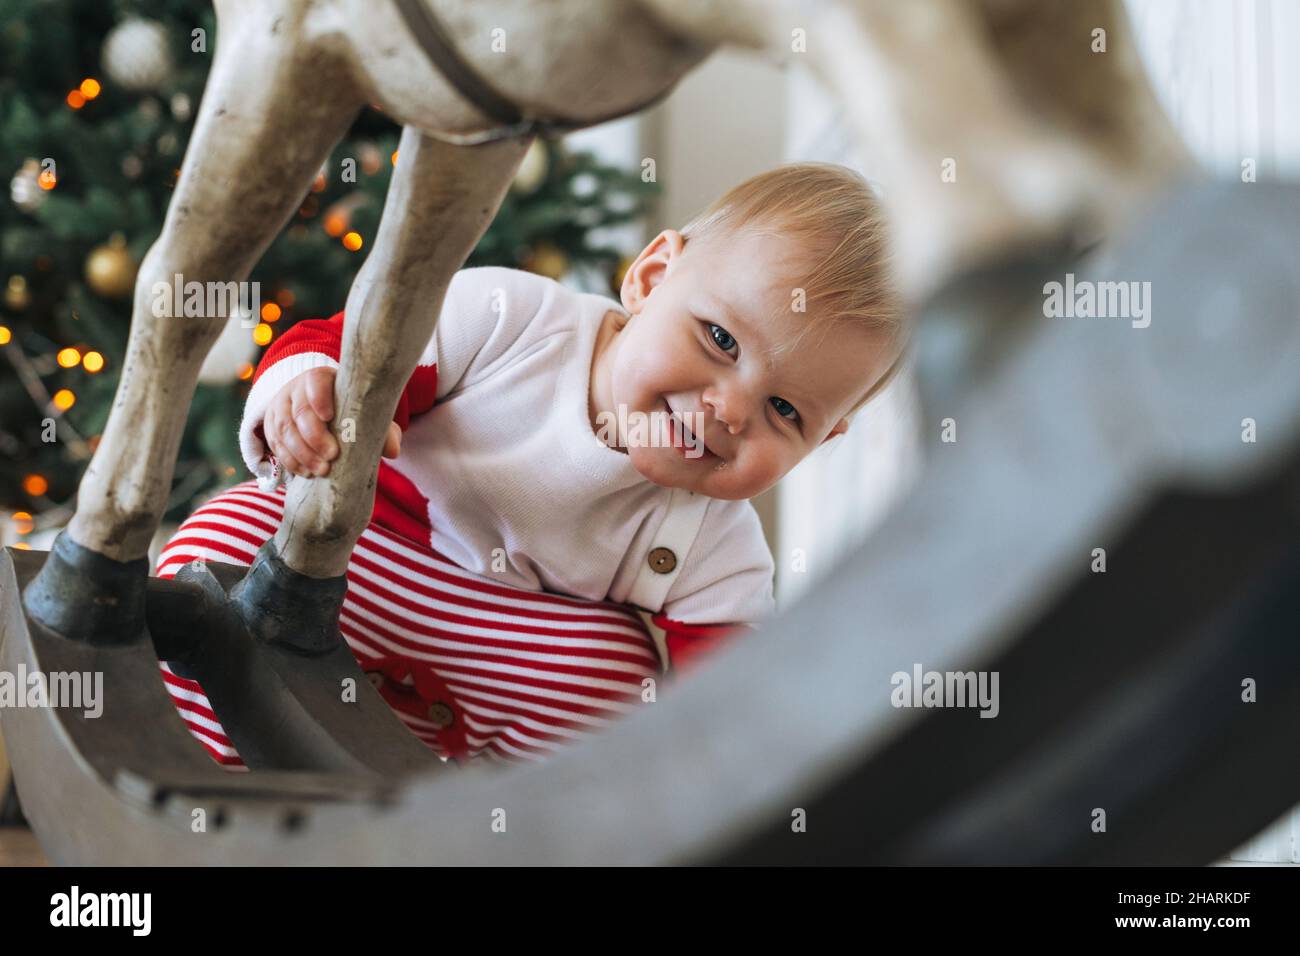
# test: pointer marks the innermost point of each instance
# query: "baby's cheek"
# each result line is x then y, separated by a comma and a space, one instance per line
629, 381
658, 367
762, 471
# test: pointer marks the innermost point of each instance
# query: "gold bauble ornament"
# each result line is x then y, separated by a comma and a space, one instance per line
547, 260
110, 271
17, 295
532, 169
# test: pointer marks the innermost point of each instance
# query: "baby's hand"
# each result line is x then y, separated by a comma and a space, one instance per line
295, 430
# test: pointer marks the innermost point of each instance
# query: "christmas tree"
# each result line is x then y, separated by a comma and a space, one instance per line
97, 100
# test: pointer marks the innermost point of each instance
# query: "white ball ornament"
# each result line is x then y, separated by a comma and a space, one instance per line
137, 55
25, 188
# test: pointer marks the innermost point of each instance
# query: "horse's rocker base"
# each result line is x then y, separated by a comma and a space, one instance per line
285, 705
312, 726
289, 700
89, 774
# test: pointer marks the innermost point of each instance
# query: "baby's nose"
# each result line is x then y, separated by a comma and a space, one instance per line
728, 411
729, 416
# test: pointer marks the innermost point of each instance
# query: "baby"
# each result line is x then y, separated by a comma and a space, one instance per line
558, 460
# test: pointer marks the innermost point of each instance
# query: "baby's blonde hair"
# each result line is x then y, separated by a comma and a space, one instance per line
831, 212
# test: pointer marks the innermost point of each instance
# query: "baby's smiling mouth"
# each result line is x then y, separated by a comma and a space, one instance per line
689, 440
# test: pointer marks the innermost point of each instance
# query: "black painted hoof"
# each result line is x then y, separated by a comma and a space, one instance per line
281, 606
84, 596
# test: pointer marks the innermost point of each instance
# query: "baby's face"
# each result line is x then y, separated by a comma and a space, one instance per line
698, 346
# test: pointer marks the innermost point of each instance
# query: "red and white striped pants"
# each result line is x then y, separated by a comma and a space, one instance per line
471, 666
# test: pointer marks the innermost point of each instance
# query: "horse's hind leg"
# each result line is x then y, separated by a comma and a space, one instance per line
271, 112
440, 202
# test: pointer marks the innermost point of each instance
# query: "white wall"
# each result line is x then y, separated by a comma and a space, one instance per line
722, 124
1228, 74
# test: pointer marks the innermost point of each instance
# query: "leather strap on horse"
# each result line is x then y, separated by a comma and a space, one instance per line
437, 44
431, 36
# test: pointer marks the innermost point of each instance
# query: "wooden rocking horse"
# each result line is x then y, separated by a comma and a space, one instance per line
1056, 147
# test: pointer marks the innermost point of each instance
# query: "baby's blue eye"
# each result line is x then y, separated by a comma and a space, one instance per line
722, 337
784, 408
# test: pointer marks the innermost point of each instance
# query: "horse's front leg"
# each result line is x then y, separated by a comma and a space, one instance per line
271, 111
439, 204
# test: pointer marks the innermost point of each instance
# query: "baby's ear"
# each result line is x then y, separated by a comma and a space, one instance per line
840, 428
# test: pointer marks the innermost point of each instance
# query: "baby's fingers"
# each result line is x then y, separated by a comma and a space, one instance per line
292, 465
315, 433
272, 427
293, 447
318, 383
